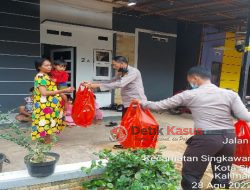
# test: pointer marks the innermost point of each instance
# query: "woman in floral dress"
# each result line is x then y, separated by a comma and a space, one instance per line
47, 116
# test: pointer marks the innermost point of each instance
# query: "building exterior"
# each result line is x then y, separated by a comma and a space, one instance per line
160, 48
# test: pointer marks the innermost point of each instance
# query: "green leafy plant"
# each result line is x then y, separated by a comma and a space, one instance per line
142, 169
21, 136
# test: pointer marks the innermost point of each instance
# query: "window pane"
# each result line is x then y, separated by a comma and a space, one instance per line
102, 56
62, 55
102, 71
68, 67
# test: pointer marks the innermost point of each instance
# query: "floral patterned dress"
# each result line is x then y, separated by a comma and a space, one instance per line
48, 111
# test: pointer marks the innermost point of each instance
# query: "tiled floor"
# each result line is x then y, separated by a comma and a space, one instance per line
77, 144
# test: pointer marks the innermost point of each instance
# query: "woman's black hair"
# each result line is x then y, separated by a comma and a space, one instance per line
199, 71
31, 89
120, 59
69, 97
39, 63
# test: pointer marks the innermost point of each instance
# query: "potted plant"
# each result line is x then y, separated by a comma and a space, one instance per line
2, 160
143, 169
40, 161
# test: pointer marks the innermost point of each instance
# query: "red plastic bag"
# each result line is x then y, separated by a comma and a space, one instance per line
83, 111
140, 126
242, 132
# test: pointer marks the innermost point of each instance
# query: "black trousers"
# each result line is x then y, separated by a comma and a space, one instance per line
202, 148
124, 111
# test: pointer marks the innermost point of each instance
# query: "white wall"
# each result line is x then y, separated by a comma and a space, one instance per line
84, 12
85, 39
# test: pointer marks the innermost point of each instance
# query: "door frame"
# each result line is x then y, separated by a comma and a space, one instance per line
72, 78
74, 57
220, 68
137, 30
